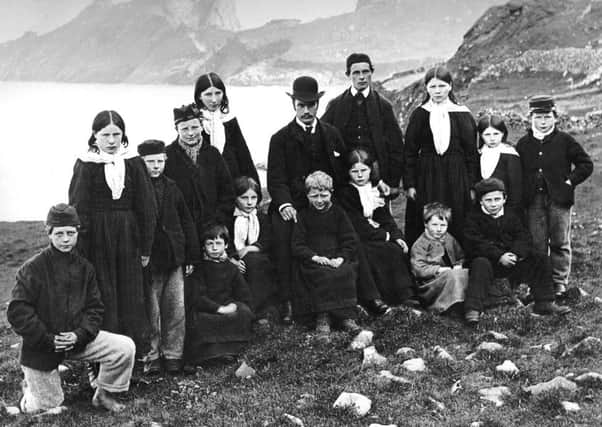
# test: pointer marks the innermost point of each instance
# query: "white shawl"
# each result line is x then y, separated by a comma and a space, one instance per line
439, 122
491, 156
114, 168
213, 125
371, 200
246, 228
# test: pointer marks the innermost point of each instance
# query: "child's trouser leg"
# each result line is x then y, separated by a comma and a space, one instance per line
41, 391
173, 323
115, 353
537, 216
479, 280
537, 272
281, 253
153, 298
560, 245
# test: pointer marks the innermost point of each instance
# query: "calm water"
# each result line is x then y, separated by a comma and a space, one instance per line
45, 126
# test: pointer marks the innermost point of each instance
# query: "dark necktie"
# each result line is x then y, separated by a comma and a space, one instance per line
308, 129
359, 98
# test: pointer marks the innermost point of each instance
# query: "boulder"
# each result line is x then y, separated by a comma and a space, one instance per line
358, 403
570, 406
414, 365
490, 347
558, 383
589, 346
362, 340
508, 367
405, 351
495, 394
373, 358
245, 371
590, 379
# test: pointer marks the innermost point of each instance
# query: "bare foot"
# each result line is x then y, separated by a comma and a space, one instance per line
101, 399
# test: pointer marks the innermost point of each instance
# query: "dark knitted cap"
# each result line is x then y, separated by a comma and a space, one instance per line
185, 113
151, 146
305, 89
62, 215
354, 58
541, 104
488, 185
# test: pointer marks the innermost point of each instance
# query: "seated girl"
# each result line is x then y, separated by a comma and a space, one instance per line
436, 259
219, 318
324, 247
251, 235
382, 254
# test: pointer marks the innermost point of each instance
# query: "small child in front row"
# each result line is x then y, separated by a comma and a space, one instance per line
251, 235
57, 310
218, 308
324, 247
500, 246
175, 250
437, 261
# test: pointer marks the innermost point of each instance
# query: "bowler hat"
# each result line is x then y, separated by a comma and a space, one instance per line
488, 185
62, 215
305, 89
541, 104
185, 113
151, 146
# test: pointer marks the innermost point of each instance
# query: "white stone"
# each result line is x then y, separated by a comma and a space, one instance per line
558, 383
63, 368
245, 371
414, 365
476, 424
570, 406
405, 351
439, 405
373, 358
362, 340
589, 378
497, 336
598, 300
57, 410
394, 378
16, 345
12, 410
553, 346
294, 420
490, 347
442, 353
495, 394
583, 292
416, 313
359, 403
508, 367
456, 387
589, 345
471, 356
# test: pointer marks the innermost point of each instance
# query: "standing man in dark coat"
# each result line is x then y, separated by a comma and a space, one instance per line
366, 120
301, 147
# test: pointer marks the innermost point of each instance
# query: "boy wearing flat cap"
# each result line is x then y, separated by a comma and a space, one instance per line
553, 165
175, 250
57, 310
500, 246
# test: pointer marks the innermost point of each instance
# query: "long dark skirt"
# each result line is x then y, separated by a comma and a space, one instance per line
260, 277
112, 247
386, 265
210, 335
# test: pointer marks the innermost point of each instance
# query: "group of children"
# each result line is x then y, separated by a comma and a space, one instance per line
203, 288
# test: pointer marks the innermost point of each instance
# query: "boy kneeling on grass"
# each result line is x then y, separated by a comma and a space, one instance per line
57, 310
500, 246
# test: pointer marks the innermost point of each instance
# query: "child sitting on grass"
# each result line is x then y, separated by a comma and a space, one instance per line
500, 246
57, 310
219, 317
324, 247
436, 260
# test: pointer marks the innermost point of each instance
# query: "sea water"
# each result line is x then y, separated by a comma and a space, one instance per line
45, 127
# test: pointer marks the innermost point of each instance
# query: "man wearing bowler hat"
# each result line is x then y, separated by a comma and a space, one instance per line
301, 147
366, 120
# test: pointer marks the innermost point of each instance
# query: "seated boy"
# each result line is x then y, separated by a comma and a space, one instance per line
500, 246
57, 310
175, 250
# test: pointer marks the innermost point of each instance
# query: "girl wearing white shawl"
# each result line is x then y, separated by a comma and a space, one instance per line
441, 158
499, 159
114, 197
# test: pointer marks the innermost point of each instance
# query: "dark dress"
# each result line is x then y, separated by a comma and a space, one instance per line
445, 178
209, 334
318, 288
260, 274
114, 235
509, 171
381, 260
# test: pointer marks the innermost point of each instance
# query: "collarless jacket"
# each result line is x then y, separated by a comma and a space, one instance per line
387, 136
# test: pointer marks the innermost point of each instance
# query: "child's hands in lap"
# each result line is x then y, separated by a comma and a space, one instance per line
322, 260
508, 259
64, 341
188, 270
227, 309
336, 262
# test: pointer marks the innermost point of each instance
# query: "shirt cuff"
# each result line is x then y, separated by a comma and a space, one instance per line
284, 205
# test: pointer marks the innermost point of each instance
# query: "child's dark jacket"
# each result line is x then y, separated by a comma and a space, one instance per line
489, 237
176, 239
55, 292
555, 158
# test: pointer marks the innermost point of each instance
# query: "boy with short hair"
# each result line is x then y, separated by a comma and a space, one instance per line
175, 245
553, 165
57, 310
500, 246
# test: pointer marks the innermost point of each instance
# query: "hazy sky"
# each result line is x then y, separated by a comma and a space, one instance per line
253, 13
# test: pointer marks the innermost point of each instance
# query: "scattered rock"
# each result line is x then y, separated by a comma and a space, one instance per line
362, 340
306, 401
590, 378
551, 347
497, 336
570, 406
508, 367
245, 371
414, 365
477, 424
394, 378
495, 394
292, 420
358, 403
373, 358
490, 347
586, 347
12, 410
441, 353
405, 351
558, 383
456, 387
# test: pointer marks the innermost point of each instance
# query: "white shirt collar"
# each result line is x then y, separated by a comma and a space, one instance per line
304, 126
365, 92
499, 214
